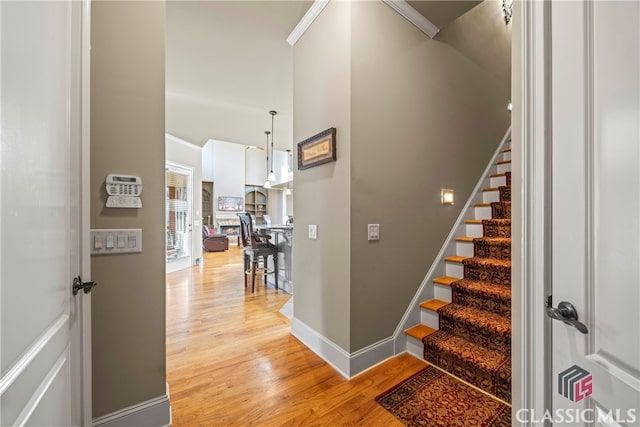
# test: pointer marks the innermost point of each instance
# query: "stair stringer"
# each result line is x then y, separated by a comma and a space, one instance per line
412, 315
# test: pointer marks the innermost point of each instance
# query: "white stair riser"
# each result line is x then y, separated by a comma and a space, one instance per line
465, 249
415, 347
482, 212
441, 292
498, 181
506, 155
429, 318
504, 167
490, 196
474, 230
454, 269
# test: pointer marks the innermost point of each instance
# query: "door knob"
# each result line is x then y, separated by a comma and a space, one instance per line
85, 286
567, 313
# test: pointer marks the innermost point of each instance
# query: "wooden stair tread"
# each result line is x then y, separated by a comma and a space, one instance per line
503, 162
497, 175
433, 304
455, 258
445, 280
482, 204
491, 189
419, 331
464, 239
507, 150
473, 221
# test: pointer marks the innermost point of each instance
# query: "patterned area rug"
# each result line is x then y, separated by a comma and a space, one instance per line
433, 398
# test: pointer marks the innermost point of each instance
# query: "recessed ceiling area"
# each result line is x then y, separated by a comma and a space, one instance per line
442, 12
227, 65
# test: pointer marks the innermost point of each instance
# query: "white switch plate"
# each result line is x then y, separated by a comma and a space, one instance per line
313, 231
373, 231
116, 241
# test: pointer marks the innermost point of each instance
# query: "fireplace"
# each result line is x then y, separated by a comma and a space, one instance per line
228, 223
229, 229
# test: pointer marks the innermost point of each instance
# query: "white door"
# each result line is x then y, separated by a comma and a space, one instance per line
595, 158
179, 197
40, 348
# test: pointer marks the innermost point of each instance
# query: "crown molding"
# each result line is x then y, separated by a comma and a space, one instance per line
307, 20
181, 141
413, 16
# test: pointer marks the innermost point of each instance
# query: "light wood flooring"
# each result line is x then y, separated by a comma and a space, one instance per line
231, 360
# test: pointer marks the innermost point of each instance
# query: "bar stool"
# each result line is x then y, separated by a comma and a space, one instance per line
256, 246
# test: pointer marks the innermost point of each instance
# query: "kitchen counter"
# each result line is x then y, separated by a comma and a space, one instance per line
282, 237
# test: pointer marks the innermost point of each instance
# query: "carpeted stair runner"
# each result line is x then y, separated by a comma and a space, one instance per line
474, 337
496, 227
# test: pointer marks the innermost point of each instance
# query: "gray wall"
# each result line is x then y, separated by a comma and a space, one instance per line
424, 117
322, 87
484, 38
127, 136
413, 115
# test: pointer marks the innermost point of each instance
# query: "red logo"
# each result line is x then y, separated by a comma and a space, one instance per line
575, 383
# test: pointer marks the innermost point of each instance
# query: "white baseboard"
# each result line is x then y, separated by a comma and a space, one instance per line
371, 355
152, 413
347, 364
320, 345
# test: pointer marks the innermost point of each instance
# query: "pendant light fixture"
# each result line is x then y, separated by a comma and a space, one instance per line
287, 192
272, 176
267, 183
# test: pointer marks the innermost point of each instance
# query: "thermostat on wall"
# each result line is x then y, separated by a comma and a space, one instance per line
124, 191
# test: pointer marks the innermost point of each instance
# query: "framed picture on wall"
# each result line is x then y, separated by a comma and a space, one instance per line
317, 150
226, 203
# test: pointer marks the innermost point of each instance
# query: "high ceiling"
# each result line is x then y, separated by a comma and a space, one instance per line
227, 65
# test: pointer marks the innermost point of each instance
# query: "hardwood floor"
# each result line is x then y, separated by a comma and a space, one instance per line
231, 360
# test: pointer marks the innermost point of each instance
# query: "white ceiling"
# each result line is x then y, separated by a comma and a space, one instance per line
227, 65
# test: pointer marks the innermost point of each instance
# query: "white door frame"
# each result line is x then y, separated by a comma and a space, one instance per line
180, 264
531, 388
85, 212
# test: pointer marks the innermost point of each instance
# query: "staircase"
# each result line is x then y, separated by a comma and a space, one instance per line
466, 328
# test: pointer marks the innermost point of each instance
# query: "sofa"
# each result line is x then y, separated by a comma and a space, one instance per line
212, 242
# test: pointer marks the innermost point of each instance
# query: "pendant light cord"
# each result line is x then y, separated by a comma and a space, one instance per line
266, 132
273, 113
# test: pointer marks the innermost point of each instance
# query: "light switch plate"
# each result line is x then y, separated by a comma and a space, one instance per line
373, 231
313, 231
116, 241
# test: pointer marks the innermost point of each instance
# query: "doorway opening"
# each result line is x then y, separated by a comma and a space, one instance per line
178, 214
